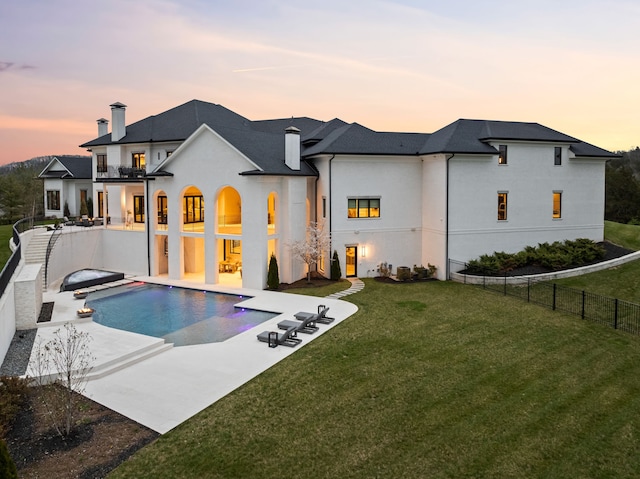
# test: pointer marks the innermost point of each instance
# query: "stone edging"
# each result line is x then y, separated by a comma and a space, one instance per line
568, 273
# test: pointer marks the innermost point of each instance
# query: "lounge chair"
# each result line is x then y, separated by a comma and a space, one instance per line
274, 338
307, 325
320, 316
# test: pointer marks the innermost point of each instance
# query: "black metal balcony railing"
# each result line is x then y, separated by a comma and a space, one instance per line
121, 172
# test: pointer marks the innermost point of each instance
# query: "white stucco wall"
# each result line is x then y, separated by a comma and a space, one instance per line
395, 237
114, 250
7, 320
209, 163
529, 178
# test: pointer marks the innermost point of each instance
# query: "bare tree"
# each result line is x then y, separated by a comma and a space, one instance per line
313, 247
66, 361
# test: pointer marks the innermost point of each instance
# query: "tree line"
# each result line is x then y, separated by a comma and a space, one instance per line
22, 192
622, 188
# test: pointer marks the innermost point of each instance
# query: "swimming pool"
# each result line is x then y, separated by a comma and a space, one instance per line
179, 315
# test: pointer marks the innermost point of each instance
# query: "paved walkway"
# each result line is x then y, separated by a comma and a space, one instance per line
356, 285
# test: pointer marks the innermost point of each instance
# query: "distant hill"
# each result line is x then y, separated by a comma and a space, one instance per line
39, 162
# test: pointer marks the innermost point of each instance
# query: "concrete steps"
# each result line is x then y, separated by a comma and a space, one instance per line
121, 362
36, 252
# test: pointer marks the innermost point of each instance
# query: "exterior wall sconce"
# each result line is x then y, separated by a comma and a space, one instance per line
363, 251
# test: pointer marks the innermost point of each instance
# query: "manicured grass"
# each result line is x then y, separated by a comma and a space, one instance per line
622, 282
437, 380
623, 235
321, 291
6, 231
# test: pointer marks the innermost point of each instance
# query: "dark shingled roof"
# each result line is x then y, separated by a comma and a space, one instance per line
263, 141
356, 139
471, 137
77, 167
260, 141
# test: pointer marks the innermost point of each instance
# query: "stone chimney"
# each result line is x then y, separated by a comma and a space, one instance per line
292, 148
118, 127
103, 127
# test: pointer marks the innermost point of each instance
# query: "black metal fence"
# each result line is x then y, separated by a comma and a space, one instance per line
613, 312
14, 259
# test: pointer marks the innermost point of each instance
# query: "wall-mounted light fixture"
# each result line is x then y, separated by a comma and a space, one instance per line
363, 251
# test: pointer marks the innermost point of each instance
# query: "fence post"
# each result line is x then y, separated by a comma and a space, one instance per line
554, 296
615, 320
583, 296
505, 284
528, 290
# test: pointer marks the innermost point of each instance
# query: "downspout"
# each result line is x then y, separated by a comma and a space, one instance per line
446, 221
330, 203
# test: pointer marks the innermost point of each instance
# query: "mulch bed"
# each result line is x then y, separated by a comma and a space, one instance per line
101, 440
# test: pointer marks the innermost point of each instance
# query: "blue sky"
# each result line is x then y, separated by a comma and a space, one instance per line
404, 65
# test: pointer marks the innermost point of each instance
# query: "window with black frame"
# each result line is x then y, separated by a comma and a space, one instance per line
138, 209
193, 209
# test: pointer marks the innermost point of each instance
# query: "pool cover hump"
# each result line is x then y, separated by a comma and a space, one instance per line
88, 277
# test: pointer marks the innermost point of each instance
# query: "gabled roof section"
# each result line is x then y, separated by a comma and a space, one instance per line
176, 124
67, 166
471, 136
356, 139
321, 132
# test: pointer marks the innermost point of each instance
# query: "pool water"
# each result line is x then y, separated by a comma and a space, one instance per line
179, 315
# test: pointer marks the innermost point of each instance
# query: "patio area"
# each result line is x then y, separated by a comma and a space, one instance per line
161, 386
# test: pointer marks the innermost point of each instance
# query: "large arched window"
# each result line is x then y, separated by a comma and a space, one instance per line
229, 211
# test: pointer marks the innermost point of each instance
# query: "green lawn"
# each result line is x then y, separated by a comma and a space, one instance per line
434, 380
622, 282
6, 231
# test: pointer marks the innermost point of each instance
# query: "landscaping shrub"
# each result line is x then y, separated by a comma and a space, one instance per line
7, 466
554, 256
273, 277
13, 394
336, 271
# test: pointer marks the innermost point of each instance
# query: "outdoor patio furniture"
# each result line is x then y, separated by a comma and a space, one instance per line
274, 338
307, 326
320, 316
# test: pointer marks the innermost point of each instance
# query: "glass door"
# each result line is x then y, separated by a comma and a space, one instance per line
352, 267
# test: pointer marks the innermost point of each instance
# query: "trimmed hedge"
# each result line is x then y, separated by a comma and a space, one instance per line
554, 256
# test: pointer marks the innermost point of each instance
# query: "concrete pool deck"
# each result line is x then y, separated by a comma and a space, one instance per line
161, 386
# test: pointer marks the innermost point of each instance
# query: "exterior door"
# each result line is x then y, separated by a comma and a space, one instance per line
352, 266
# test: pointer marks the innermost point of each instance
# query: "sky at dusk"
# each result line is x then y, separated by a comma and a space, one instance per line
403, 65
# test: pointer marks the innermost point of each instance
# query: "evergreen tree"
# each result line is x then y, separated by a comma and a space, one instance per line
7, 466
336, 272
273, 278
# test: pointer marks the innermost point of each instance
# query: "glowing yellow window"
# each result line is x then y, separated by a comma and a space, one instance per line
502, 206
557, 205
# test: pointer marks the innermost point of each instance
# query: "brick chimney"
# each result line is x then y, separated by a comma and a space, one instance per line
103, 127
292, 148
118, 127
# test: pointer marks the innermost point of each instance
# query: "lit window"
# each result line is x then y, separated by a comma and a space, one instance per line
502, 206
138, 209
363, 208
502, 156
557, 204
137, 160
557, 156
162, 210
193, 209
